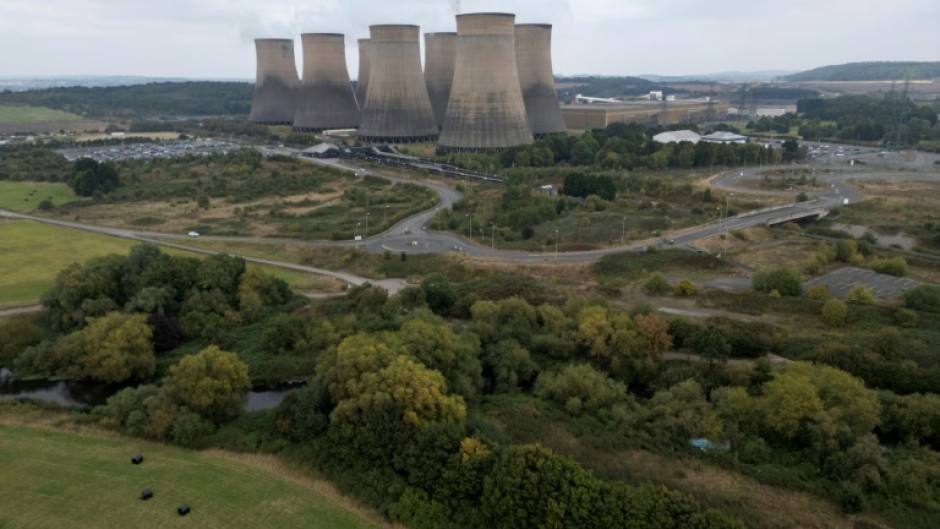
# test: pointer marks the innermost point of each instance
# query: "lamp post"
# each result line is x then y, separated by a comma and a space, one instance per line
493, 235
623, 230
556, 246
357, 229
367, 224
385, 220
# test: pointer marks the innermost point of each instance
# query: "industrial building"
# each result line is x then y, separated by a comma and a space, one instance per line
275, 83
537, 80
598, 116
326, 99
362, 80
486, 109
440, 56
397, 107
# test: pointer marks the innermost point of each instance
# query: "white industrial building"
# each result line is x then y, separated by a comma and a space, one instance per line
677, 136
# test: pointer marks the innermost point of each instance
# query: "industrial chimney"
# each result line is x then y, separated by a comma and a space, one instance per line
440, 55
326, 99
275, 84
486, 110
397, 107
534, 57
362, 80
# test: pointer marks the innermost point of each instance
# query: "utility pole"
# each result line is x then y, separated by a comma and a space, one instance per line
367, 224
556, 246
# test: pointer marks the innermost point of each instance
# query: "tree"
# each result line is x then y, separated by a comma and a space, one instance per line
657, 285
434, 344
86, 291
594, 330
835, 313
653, 332
925, 298
709, 341
438, 292
118, 347
580, 388
212, 382
16, 334
895, 266
783, 280
89, 176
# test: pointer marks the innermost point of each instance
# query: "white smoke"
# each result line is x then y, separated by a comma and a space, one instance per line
455, 6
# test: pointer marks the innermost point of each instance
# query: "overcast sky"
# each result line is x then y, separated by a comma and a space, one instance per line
213, 38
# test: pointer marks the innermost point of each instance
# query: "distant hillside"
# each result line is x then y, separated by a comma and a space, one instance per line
870, 71
142, 101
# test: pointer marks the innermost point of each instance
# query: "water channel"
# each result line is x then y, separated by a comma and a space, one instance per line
86, 395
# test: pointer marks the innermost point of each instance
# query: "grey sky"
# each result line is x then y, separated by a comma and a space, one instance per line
213, 38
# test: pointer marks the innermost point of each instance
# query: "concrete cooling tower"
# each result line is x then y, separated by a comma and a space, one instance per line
486, 109
362, 80
275, 84
326, 99
534, 57
440, 55
397, 107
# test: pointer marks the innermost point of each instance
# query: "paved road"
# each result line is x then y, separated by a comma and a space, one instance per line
415, 234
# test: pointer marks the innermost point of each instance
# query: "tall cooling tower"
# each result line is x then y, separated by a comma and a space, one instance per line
362, 80
440, 55
275, 84
326, 99
534, 57
397, 106
486, 109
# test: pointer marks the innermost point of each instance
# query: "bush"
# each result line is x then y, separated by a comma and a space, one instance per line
895, 266
860, 295
783, 280
835, 313
818, 293
925, 298
657, 285
684, 288
580, 389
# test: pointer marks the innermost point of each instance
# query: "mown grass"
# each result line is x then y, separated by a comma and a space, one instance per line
57, 479
27, 114
32, 254
26, 196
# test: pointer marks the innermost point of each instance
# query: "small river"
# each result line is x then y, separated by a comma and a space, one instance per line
86, 395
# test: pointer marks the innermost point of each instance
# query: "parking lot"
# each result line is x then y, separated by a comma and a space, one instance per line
149, 151
884, 287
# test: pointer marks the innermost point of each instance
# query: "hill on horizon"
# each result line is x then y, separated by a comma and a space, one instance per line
871, 71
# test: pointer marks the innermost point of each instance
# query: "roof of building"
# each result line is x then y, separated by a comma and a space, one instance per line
676, 136
725, 137
320, 148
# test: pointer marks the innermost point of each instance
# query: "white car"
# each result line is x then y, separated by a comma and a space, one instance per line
193, 234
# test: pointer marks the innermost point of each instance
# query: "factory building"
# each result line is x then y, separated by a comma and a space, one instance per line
275, 83
534, 58
486, 109
440, 56
326, 99
599, 116
397, 107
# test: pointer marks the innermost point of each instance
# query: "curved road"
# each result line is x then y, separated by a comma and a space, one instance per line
414, 234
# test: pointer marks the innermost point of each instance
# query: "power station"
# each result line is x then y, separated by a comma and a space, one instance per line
440, 55
534, 57
486, 109
397, 107
326, 99
362, 80
489, 86
275, 82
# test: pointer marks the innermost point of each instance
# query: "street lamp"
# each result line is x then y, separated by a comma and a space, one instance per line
623, 230
493, 235
385, 220
357, 229
556, 246
367, 224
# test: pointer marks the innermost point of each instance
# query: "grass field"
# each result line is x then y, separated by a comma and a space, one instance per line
32, 254
26, 196
57, 479
27, 114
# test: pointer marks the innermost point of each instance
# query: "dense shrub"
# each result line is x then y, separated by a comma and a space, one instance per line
786, 282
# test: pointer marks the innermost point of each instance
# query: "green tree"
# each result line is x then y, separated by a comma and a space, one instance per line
434, 344
924, 298
783, 280
212, 383
860, 294
118, 347
16, 334
438, 292
580, 389
835, 313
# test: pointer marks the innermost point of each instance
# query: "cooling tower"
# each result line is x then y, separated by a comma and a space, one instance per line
397, 106
534, 57
362, 80
275, 84
326, 99
440, 55
486, 110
